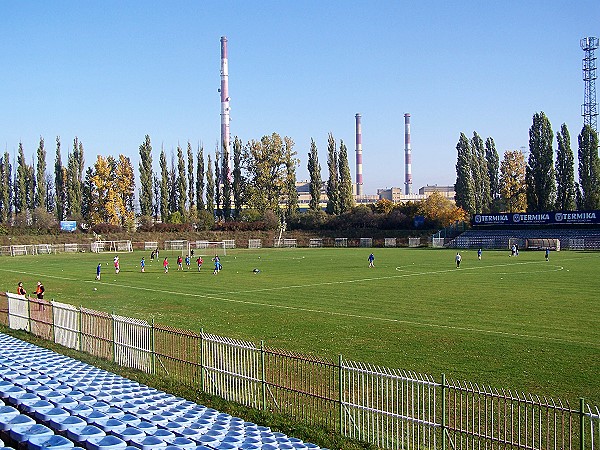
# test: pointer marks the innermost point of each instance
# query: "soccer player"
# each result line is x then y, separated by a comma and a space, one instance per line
187, 261
479, 254
217, 265
98, 270
116, 262
458, 259
39, 290
20, 289
371, 260
166, 265
547, 254
143, 264
199, 261
179, 263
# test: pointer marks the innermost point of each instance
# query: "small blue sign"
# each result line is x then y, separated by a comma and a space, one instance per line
68, 225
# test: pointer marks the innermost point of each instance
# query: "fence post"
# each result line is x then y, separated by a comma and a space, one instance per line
114, 333
340, 393
152, 344
582, 423
29, 315
263, 375
444, 431
80, 332
52, 324
202, 359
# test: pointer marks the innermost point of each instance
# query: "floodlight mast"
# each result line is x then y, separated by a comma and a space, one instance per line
589, 109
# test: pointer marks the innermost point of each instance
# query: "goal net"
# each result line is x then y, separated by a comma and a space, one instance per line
437, 242
366, 242
18, 250
285, 243
414, 242
254, 243
315, 243
390, 242
211, 247
341, 242
111, 246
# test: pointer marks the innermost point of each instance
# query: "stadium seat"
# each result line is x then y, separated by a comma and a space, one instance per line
24, 433
105, 443
54, 442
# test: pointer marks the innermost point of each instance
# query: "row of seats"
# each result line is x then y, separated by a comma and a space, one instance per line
54, 402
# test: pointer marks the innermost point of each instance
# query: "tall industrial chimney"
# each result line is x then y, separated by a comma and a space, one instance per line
407, 156
359, 180
224, 104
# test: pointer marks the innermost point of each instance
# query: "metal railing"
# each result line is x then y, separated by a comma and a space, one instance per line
390, 408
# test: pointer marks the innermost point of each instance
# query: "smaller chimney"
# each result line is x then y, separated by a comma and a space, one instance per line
359, 179
407, 156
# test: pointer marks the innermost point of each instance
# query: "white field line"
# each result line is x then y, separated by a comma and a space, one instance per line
342, 314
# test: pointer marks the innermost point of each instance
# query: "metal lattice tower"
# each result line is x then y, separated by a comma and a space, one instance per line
589, 109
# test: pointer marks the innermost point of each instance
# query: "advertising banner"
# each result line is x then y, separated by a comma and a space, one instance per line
543, 218
68, 225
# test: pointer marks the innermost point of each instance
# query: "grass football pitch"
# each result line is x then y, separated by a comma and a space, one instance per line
514, 323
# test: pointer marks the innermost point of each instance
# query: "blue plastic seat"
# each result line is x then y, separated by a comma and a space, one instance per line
62, 424
25, 432
54, 442
147, 427
82, 434
52, 414
148, 443
16, 421
105, 443
130, 433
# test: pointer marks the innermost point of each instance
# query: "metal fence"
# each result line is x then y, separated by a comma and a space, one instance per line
390, 408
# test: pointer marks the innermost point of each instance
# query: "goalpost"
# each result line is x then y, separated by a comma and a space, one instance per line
212, 246
111, 246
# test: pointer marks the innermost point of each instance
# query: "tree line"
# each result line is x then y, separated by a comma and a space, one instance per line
190, 187
546, 182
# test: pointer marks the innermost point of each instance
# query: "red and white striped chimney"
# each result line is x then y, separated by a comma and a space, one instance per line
407, 156
359, 179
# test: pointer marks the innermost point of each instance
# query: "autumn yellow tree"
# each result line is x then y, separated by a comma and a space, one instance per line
113, 190
442, 210
512, 181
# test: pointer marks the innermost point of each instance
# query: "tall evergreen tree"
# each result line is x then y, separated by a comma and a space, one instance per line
289, 189
217, 181
314, 171
238, 181
181, 183
345, 188
493, 166
50, 194
74, 180
464, 187
40, 185
589, 168
88, 195
164, 186
210, 187
190, 174
225, 176
59, 183
146, 177
565, 171
333, 193
5, 188
539, 174
30, 182
156, 203
21, 182
200, 179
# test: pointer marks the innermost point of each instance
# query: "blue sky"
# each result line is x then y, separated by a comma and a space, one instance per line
111, 72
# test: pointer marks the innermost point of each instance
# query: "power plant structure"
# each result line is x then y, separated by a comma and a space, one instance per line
589, 109
225, 107
407, 157
359, 179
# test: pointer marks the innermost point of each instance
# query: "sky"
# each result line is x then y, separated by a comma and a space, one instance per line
110, 72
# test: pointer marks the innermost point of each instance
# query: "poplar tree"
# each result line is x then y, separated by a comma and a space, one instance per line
565, 171
226, 189
539, 175
210, 187
200, 179
217, 182
289, 189
59, 183
164, 186
314, 171
493, 165
146, 177
88, 194
21, 182
345, 187
464, 187
74, 180
5, 188
481, 180
181, 184
172, 187
333, 195
589, 169
190, 175
238, 181
41, 185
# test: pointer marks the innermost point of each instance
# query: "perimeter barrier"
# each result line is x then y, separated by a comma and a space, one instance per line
390, 408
